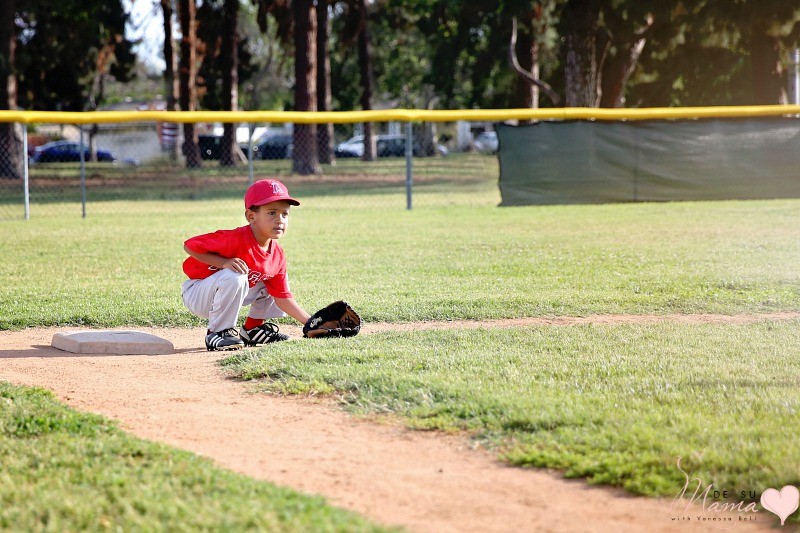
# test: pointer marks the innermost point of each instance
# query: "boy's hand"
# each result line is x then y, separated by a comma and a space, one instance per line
237, 265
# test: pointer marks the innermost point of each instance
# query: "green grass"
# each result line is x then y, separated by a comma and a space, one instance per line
67, 471
473, 262
614, 404
158, 180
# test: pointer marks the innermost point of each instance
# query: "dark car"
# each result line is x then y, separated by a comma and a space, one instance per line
387, 145
391, 146
210, 146
274, 147
66, 152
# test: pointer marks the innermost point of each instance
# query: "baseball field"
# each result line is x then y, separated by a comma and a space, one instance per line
603, 342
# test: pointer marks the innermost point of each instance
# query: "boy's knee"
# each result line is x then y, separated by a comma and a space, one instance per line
229, 278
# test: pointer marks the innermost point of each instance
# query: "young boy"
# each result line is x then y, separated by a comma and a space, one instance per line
229, 269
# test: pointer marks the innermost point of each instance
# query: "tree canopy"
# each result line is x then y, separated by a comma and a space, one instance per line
447, 53
64, 50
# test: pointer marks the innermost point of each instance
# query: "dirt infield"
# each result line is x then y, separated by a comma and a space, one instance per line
424, 481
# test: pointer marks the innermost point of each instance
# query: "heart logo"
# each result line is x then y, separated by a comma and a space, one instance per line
781, 503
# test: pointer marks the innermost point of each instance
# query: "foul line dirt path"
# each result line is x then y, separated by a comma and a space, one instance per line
425, 481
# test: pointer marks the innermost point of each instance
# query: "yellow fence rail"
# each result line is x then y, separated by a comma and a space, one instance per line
397, 115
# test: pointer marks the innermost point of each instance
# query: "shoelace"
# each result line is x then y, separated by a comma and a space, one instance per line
273, 328
230, 332
265, 333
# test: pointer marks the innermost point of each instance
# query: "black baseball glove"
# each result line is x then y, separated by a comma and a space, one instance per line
336, 320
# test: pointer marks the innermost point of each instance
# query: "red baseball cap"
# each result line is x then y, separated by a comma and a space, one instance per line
266, 191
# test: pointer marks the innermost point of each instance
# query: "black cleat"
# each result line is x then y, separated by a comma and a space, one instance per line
224, 340
263, 334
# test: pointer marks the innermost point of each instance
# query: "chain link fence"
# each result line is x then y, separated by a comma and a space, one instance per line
82, 170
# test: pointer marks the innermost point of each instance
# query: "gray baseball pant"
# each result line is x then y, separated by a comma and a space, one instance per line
220, 296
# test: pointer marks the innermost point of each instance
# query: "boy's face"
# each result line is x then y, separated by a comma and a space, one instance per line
270, 221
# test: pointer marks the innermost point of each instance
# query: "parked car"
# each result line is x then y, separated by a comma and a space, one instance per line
392, 146
209, 145
273, 146
352, 147
386, 145
67, 151
487, 142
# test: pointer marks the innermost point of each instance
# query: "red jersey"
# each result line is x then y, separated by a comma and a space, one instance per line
267, 265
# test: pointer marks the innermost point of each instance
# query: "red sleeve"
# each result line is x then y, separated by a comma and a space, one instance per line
216, 242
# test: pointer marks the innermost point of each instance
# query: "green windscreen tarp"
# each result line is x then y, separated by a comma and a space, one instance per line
568, 162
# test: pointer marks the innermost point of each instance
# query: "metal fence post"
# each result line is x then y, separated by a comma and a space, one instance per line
409, 160
250, 153
83, 176
25, 182
796, 76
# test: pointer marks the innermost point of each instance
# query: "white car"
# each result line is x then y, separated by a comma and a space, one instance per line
353, 147
487, 142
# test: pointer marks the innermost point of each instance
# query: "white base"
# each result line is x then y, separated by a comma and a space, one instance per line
112, 343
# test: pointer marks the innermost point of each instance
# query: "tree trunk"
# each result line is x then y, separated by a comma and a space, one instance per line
187, 75
10, 147
580, 21
104, 57
229, 58
305, 160
768, 86
528, 85
617, 68
616, 73
324, 131
535, 73
169, 130
365, 67
526, 94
